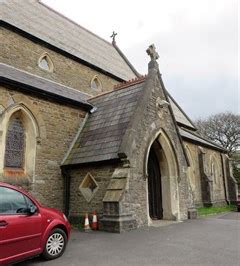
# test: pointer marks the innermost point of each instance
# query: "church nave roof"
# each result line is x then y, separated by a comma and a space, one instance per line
39, 20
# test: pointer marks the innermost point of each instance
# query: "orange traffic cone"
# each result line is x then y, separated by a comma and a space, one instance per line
86, 223
94, 221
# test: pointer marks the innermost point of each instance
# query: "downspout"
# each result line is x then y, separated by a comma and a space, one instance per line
66, 197
65, 168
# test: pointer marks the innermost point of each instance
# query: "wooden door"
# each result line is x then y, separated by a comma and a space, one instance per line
154, 187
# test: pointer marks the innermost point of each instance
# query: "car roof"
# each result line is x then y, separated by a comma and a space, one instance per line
19, 189
11, 186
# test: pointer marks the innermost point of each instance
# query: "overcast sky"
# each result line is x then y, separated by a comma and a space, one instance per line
197, 41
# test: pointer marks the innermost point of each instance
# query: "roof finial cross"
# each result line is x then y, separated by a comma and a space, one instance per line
113, 37
152, 52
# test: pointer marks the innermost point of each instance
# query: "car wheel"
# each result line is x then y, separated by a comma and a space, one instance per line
238, 209
55, 244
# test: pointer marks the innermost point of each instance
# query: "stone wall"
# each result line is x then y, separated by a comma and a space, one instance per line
154, 122
24, 54
78, 203
57, 124
130, 205
193, 172
230, 181
215, 177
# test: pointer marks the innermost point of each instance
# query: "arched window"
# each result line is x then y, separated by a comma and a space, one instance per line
45, 63
19, 136
15, 144
96, 83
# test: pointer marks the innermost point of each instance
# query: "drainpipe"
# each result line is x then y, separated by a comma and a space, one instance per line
65, 169
66, 198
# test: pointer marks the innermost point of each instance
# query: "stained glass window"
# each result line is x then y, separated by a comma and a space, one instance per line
15, 144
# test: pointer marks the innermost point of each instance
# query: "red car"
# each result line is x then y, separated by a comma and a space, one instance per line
27, 229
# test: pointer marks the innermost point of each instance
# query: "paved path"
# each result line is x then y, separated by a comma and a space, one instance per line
213, 240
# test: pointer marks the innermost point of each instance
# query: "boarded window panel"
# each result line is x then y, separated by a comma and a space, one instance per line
96, 84
44, 64
15, 142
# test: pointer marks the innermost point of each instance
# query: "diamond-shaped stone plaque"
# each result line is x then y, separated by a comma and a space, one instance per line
88, 187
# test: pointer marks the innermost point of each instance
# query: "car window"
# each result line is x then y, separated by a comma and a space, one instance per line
29, 202
11, 201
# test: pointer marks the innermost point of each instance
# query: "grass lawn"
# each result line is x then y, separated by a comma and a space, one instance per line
214, 209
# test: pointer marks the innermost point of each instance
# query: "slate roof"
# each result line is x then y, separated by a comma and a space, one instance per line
30, 82
180, 115
194, 137
37, 19
48, 25
102, 134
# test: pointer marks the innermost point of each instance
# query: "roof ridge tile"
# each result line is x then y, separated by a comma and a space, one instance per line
130, 82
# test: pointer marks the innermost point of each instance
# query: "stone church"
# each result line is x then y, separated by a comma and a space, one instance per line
82, 130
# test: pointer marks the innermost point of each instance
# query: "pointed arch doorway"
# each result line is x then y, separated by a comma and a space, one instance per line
154, 187
162, 173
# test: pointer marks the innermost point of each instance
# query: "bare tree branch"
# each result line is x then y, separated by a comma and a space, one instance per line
223, 129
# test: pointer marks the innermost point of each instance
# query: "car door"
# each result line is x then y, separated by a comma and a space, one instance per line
20, 233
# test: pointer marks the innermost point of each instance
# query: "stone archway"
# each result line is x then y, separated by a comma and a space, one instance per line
32, 135
169, 175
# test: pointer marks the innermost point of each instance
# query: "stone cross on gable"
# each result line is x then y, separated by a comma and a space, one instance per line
152, 52
113, 37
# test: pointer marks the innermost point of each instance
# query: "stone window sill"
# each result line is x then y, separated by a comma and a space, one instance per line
15, 176
14, 172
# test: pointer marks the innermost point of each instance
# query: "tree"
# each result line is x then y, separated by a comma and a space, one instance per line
223, 129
